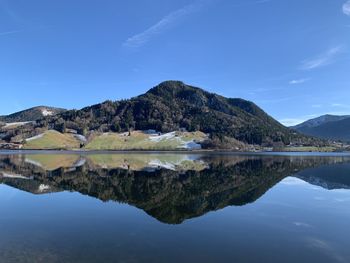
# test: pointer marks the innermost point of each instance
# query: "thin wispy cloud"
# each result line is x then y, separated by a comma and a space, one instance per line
346, 8
17, 20
162, 25
24, 30
9, 32
340, 105
322, 60
5, 6
326, 248
302, 224
246, 3
298, 81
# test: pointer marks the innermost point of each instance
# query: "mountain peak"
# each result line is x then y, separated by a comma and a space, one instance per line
31, 114
315, 122
327, 127
174, 83
170, 87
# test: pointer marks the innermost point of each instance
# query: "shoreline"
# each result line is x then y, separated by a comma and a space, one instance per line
193, 152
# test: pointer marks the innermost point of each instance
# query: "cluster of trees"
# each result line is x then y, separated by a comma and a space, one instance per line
18, 134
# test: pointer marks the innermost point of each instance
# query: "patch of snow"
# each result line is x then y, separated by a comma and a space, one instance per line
165, 136
81, 138
14, 176
35, 137
11, 124
46, 112
43, 188
190, 145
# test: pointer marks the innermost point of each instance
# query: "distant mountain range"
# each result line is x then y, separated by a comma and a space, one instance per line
31, 114
170, 106
327, 127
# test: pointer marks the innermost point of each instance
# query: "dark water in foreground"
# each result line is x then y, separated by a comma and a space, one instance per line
174, 208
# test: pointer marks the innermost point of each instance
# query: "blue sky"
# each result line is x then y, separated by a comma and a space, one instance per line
292, 58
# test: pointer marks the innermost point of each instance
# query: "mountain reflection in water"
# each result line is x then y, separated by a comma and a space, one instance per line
168, 187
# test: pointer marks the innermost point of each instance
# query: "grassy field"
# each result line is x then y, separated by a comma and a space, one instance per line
309, 149
52, 140
138, 140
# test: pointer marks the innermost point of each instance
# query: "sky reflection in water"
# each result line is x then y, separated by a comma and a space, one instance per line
218, 209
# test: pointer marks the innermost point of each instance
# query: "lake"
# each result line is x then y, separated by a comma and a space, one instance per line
174, 207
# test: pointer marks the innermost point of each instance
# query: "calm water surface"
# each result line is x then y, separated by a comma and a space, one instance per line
174, 208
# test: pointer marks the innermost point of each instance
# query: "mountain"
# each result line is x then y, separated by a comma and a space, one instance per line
312, 123
31, 114
172, 106
327, 127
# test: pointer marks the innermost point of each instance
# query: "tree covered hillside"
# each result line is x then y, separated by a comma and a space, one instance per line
173, 105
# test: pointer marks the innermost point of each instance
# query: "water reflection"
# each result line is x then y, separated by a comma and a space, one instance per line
169, 187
